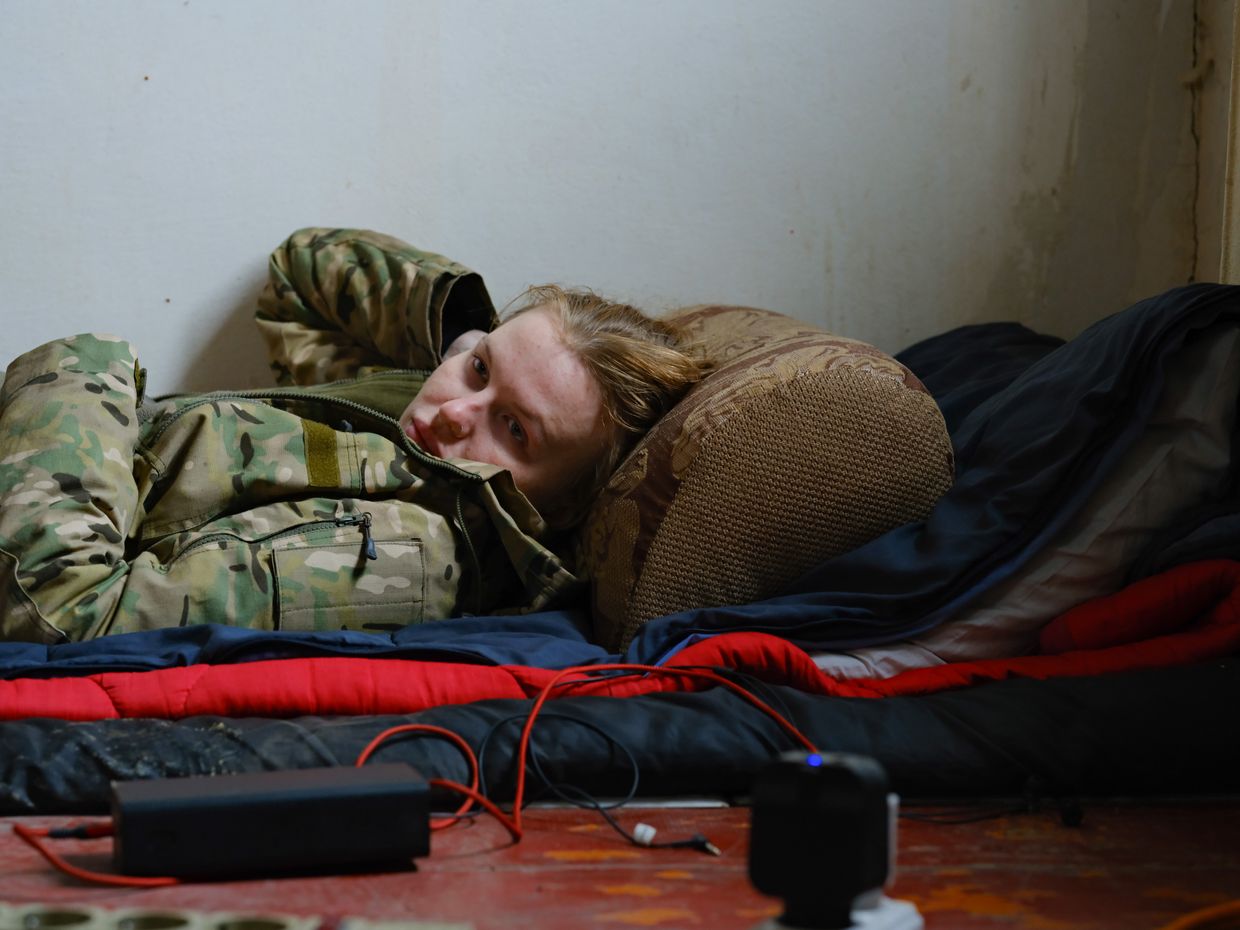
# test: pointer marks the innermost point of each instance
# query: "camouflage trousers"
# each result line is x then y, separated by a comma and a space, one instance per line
217, 508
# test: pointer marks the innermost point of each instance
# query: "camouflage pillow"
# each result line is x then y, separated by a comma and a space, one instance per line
799, 446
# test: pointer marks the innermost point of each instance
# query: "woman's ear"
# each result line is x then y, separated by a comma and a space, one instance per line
465, 342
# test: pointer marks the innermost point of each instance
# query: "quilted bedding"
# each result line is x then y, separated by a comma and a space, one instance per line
1040, 427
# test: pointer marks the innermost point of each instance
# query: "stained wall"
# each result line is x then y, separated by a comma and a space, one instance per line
887, 170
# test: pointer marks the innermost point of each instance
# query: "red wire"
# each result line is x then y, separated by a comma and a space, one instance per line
510, 824
705, 674
34, 836
1207, 917
466, 750
470, 791
514, 825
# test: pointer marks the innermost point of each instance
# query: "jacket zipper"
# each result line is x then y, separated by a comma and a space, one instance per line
260, 394
411, 447
353, 519
368, 541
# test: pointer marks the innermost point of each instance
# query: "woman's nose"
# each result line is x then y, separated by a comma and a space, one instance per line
457, 418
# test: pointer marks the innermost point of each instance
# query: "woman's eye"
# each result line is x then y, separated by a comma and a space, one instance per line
480, 367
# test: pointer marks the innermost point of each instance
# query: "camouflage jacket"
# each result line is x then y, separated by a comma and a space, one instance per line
302, 507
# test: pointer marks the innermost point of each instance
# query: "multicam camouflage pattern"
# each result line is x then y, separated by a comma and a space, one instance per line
343, 302
300, 508
799, 446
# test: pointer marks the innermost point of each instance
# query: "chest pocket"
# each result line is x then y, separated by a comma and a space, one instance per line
337, 586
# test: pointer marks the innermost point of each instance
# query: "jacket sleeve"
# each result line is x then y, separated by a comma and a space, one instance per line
342, 302
68, 495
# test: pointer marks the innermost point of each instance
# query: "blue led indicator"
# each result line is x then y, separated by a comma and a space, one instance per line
813, 759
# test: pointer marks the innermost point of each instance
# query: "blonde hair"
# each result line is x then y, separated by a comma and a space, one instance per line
642, 364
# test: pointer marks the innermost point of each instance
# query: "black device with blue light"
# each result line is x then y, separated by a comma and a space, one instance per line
823, 840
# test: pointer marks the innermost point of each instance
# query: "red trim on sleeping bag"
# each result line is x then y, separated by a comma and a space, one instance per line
1188, 614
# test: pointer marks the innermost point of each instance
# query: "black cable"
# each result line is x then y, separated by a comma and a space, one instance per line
756, 687
532, 757
751, 684
581, 798
589, 802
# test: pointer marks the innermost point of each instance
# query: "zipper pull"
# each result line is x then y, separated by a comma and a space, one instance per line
368, 541
363, 520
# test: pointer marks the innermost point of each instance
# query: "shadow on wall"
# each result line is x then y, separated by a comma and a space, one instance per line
233, 357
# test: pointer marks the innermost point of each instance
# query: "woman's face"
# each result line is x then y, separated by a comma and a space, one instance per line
520, 399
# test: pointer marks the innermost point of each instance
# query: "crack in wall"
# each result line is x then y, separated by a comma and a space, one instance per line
1193, 81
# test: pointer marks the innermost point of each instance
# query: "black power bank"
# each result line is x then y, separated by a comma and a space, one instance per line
300, 820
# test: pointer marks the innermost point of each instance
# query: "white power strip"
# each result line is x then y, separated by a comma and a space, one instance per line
74, 917
886, 914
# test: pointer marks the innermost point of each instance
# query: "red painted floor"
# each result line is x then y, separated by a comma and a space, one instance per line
1125, 867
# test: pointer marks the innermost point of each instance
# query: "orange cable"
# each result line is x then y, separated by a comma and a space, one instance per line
707, 675
1208, 917
510, 824
514, 825
34, 836
455, 738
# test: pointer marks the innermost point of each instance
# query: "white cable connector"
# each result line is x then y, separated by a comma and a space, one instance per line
643, 833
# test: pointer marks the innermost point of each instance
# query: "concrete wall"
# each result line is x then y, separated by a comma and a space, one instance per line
886, 169
1210, 81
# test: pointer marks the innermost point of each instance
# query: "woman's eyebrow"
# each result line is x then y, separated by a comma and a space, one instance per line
531, 422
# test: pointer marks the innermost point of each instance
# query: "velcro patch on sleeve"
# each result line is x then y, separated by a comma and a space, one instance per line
322, 464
